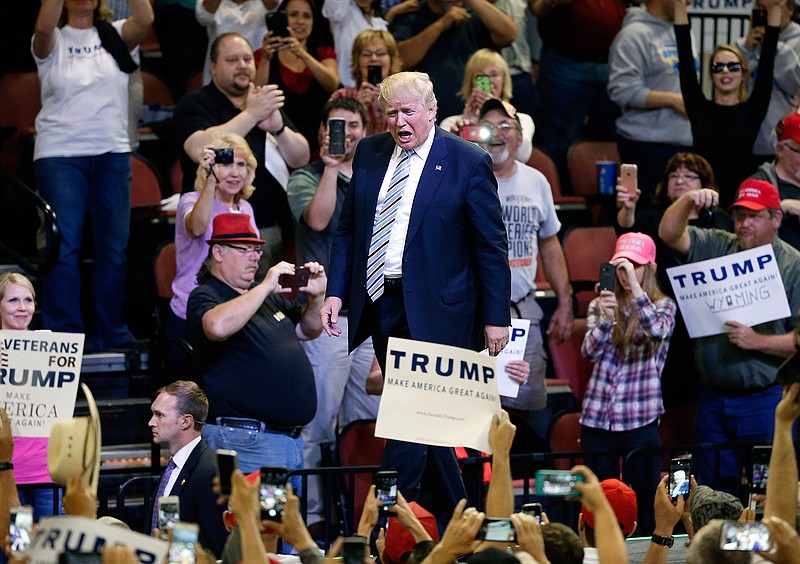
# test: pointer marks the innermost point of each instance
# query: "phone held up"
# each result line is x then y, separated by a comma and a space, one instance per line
227, 462
272, 493
336, 135
20, 526
294, 281
386, 488
680, 473
374, 74
749, 537
277, 23
182, 547
608, 276
557, 482
534, 510
169, 512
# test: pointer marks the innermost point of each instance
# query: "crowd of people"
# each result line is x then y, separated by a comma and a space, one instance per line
404, 228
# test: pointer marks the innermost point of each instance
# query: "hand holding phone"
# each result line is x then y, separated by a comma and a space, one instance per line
534, 510
297, 280
497, 530
169, 512
184, 539
374, 74
748, 537
557, 483
483, 83
336, 136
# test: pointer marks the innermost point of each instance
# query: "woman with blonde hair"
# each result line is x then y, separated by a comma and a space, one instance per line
494, 82
627, 338
725, 127
371, 47
17, 305
222, 185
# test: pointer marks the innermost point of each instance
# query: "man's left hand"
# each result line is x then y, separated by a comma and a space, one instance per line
561, 323
742, 336
496, 338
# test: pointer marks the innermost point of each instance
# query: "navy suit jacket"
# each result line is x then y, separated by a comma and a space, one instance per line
456, 277
198, 502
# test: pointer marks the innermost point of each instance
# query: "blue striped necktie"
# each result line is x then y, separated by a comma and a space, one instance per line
382, 228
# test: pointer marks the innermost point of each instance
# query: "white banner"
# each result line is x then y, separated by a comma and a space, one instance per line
745, 287
55, 535
726, 7
39, 376
514, 350
437, 395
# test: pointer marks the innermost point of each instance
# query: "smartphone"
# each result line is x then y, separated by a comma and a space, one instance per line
184, 539
759, 17
608, 276
758, 483
169, 512
496, 529
277, 23
386, 488
272, 493
557, 482
734, 535
20, 525
483, 83
680, 472
534, 510
474, 133
336, 135
354, 549
296, 280
223, 156
226, 464
374, 74
74, 557
628, 174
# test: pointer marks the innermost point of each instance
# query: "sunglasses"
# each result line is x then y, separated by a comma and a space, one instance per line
717, 68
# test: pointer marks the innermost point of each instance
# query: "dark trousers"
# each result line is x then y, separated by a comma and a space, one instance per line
428, 475
643, 474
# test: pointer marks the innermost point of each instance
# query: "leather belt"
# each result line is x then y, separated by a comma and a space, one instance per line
256, 425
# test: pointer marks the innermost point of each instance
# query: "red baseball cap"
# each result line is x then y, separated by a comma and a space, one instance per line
757, 195
789, 128
636, 247
399, 541
623, 501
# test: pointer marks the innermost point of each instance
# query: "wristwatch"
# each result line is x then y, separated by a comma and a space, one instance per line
6, 466
663, 541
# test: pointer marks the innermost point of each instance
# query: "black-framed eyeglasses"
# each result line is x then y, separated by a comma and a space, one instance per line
717, 68
247, 250
688, 177
501, 127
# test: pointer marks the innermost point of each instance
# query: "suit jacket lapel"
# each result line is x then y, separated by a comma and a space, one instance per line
375, 168
432, 176
187, 469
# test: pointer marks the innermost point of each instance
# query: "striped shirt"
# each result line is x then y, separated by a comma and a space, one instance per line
624, 392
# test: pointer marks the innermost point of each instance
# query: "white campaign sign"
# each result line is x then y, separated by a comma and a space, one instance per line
39, 376
514, 350
437, 395
745, 287
54, 535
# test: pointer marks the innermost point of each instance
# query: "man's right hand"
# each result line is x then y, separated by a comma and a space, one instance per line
667, 515
330, 316
455, 16
263, 100
702, 198
788, 409
755, 35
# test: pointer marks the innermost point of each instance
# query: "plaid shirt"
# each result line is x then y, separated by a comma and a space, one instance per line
624, 392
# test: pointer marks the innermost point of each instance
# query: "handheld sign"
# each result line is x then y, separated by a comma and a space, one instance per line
745, 287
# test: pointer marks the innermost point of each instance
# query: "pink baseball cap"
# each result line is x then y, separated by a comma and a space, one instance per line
757, 195
637, 247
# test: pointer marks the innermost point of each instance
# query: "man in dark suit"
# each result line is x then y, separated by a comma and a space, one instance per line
179, 413
420, 252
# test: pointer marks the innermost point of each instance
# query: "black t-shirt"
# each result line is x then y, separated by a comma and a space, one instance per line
261, 372
209, 107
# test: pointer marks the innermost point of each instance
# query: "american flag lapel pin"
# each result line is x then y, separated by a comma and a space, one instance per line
438, 167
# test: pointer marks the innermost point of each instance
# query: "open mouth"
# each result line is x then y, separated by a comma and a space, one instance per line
404, 135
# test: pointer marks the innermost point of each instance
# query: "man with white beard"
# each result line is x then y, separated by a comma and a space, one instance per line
784, 173
532, 227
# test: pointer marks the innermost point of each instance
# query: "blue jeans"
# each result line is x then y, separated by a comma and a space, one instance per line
255, 449
100, 187
721, 419
569, 90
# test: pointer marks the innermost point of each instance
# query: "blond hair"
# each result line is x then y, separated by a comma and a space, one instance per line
626, 330
479, 60
416, 84
239, 145
360, 43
